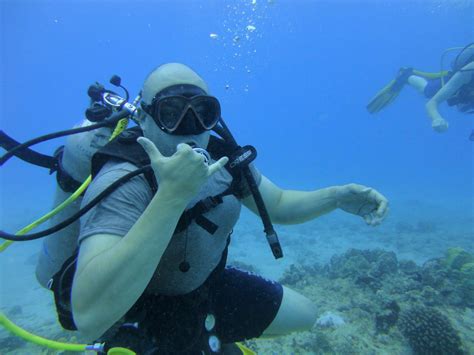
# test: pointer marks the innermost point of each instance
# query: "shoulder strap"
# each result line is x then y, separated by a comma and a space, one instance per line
219, 148
126, 148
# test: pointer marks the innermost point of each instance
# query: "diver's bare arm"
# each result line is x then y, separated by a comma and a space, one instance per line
454, 84
292, 207
112, 276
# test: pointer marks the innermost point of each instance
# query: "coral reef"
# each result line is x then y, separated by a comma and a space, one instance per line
456, 257
387, 317
467, 283
448, 280
429, 332
330, 319
375, 293
365, 265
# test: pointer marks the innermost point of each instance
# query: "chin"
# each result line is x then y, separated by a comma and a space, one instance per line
196, 141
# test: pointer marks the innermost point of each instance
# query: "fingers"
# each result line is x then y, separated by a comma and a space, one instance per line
368, 218
217, 165
380, 209
357, 189
183, 147
365, 190
382, 204
377, 199
372, 220
150, 148
185, 150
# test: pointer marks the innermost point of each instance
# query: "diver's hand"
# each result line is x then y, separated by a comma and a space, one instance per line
439, 125
362, 201
184, 172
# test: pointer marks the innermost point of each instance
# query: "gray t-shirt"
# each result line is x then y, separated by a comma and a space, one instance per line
117, 213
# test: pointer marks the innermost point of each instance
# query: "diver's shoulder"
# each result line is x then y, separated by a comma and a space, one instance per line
469, 66
115, 168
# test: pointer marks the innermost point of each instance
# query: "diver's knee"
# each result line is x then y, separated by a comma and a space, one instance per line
306, 313
296, 313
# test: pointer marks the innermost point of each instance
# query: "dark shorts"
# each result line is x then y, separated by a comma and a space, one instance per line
243, 304
432, 87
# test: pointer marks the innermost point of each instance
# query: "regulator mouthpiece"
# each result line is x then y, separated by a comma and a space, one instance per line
205, 154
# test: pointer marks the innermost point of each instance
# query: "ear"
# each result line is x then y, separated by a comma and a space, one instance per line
144, 121
141, 115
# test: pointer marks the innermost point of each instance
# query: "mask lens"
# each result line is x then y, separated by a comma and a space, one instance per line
207, 109
169, 111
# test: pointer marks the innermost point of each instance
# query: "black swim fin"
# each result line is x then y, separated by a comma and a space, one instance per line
390, 92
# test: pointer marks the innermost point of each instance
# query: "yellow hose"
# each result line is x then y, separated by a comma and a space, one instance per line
50, 214
442, 73
245, 350
32, 338
428, 75
57, 345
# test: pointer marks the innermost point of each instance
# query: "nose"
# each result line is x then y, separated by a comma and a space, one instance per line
190, 120
189, 124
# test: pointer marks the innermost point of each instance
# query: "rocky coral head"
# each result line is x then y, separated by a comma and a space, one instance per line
456, 257
429, 332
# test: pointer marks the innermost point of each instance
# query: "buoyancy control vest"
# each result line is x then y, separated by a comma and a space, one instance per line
463, 99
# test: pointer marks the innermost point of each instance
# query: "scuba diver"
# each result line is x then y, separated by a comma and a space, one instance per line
456, 87
146, 269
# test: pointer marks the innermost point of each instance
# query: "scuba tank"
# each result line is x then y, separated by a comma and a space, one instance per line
463, 99
74, 167
74, 160
79, 148
464, 57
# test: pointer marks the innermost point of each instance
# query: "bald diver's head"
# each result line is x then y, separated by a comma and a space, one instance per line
162, 108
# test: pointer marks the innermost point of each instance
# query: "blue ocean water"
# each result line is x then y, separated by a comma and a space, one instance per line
297, 85
293, 78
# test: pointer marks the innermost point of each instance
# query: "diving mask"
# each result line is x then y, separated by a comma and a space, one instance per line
184, 110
